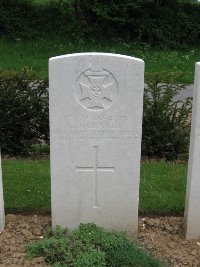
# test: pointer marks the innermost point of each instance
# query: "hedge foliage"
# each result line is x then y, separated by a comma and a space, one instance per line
163, 25
23, 112
25, 121
166, 121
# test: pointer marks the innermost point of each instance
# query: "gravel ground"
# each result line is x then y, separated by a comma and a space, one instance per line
163, 236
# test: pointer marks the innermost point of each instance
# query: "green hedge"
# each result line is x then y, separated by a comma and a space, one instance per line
25, 121
143, 21
166, 122
23, 112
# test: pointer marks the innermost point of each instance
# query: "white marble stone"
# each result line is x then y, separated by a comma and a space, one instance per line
192, 205
96, 103
2, 214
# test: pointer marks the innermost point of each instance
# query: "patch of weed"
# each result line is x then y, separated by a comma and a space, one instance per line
89, 246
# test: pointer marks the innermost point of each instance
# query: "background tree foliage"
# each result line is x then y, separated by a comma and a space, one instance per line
163, 23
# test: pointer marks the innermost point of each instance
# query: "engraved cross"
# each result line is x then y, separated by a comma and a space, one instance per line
95, 169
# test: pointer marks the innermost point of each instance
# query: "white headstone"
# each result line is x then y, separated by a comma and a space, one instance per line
192, 205
2, 214
96, 103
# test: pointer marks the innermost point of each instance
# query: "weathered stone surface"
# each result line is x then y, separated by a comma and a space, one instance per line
2, 214
192, 205
96, 103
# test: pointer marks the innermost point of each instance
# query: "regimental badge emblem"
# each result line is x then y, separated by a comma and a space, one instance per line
96, 89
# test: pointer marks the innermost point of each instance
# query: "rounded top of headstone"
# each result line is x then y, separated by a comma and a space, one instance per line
95, 54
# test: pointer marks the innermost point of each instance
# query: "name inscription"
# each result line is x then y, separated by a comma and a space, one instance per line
95, 129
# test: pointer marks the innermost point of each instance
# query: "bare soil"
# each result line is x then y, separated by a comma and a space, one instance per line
162, 236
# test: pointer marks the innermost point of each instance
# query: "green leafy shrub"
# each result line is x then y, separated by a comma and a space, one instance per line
89, 246
23, 111
166, 122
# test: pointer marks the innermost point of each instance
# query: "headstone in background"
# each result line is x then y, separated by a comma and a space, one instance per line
96, 103
2, 214
192, 206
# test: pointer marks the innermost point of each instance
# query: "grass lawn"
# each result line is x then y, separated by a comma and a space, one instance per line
27, 186
162, 188
17, 54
